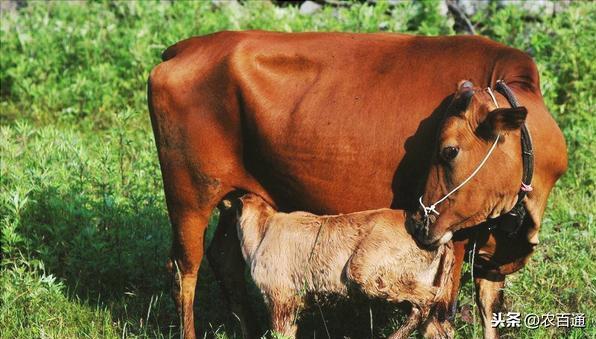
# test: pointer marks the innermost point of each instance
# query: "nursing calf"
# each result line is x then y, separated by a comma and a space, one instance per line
292, 256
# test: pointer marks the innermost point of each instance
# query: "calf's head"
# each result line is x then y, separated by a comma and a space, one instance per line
476, 167
253, 212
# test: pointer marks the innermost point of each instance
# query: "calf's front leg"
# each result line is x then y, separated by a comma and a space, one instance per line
435, 328
412, 322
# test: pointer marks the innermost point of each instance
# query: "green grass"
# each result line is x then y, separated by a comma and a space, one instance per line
83, 225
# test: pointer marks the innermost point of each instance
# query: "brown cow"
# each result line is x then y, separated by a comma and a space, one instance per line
323, 122
481, 127
294, 256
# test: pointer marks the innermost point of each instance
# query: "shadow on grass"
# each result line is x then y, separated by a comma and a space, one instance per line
356, 317
111, 252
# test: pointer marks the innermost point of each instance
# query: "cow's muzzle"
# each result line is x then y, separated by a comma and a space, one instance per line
419, 226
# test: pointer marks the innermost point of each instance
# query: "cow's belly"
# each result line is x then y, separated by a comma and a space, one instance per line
326, 180
330, 165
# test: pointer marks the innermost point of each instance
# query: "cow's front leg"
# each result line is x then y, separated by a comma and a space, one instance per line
459, 253
440, 324
489, 298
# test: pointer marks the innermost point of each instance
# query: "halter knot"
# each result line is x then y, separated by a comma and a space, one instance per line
428, 209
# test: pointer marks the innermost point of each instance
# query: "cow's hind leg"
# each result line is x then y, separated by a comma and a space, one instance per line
225, 258
196, 122
189, 222
198, 171
190, 204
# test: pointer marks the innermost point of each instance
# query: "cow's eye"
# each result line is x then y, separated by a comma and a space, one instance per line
449, 153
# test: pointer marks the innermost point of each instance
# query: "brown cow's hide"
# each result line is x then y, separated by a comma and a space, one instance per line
328, 122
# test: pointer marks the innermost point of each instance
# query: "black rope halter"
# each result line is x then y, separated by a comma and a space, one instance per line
513, 220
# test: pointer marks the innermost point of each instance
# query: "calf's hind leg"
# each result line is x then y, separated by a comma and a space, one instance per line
283, 312
225, 258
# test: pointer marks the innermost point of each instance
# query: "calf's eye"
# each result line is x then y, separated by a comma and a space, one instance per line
449, 153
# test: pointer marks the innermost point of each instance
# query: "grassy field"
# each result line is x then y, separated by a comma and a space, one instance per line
83, 225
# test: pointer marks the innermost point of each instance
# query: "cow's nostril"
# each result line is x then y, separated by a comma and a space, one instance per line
421, 229
417, 223
414, 225
431, 218
420, 226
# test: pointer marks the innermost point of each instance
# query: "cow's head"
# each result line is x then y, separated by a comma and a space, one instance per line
477, 158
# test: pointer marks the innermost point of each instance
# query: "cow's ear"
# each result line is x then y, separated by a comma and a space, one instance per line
503, 119
464, 86
463, 97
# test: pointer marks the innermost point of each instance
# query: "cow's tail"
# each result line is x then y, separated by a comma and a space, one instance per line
176, 49
170, 52
180, 46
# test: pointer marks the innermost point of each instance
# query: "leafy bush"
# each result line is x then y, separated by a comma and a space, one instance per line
83, 226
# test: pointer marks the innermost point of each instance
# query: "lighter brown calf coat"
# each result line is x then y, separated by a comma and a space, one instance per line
298, 254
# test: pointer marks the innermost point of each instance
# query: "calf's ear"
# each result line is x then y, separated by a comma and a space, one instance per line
502, 120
